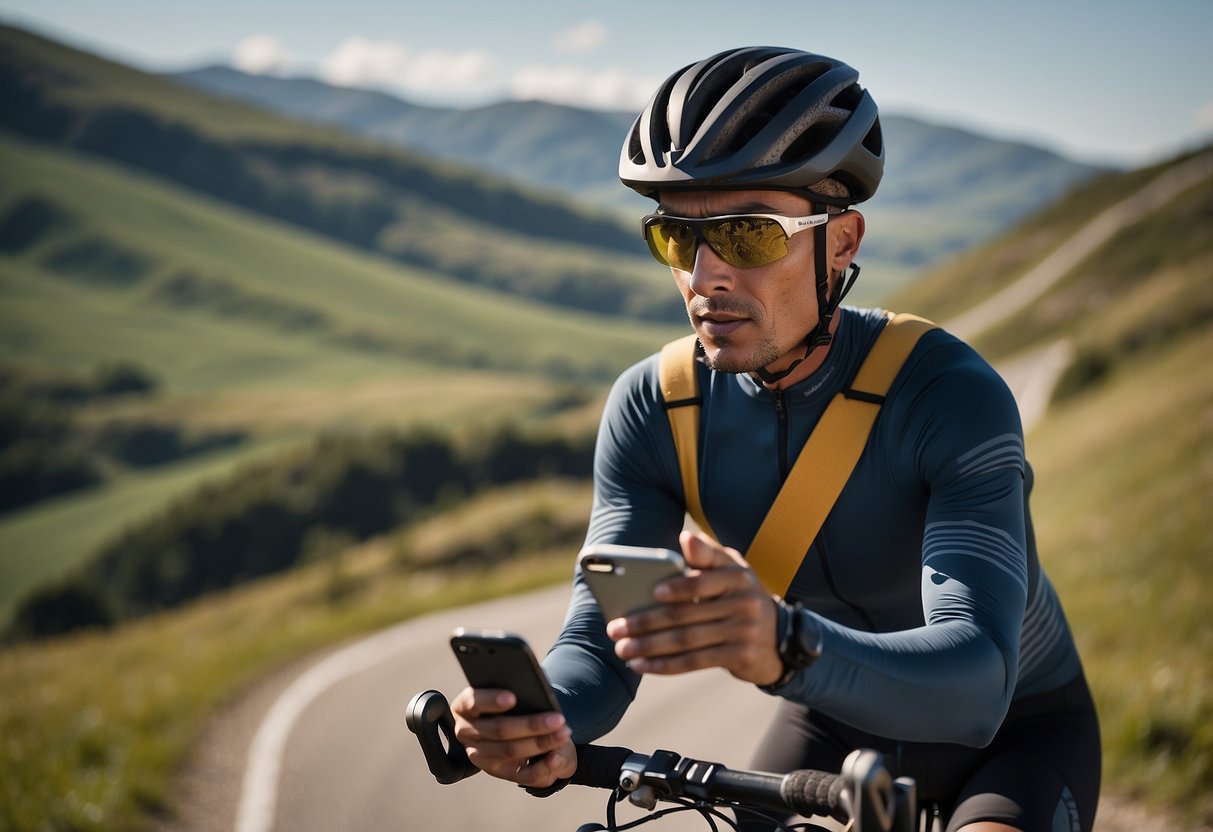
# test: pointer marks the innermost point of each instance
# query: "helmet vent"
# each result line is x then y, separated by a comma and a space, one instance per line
874, 141
806, 144
635, 148
755, 121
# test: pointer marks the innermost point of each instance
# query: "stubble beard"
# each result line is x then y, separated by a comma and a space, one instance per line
726, 361
723, 354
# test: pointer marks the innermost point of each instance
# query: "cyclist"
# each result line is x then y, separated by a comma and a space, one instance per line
919, 622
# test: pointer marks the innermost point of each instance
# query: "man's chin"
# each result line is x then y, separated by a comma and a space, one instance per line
726, 355
724, 359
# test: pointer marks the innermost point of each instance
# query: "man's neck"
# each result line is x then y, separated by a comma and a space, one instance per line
811, 363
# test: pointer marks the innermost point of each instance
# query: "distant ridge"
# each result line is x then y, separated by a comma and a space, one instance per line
945, 188
460, 223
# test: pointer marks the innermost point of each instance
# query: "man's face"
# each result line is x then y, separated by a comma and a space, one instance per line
748, 318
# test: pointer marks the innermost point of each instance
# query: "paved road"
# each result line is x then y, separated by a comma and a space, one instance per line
350, 764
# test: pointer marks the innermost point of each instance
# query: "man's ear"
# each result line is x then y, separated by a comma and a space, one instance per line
845, 235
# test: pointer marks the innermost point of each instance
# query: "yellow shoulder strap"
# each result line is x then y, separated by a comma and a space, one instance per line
680, 394
828, 457
824, 464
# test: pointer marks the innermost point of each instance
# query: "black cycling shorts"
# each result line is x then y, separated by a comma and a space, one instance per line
1039, 774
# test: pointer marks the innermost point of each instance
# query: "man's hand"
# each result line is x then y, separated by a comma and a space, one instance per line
719, 615
534, 750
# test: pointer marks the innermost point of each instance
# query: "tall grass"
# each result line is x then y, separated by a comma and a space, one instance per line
1125, 472
1124, 466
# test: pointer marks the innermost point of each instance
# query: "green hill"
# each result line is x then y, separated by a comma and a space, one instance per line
1123, 460
276, 280
251, 326
466, 226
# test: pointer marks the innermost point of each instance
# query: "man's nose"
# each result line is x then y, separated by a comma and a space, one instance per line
711, 275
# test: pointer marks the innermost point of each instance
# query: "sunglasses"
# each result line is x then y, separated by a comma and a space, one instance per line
744, 241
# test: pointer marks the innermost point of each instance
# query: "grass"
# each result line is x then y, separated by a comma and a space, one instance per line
94, 726
1124, 467
986, 269
45, 540
1124, 529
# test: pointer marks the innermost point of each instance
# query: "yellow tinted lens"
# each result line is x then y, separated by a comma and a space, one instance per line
747, 243
672, 243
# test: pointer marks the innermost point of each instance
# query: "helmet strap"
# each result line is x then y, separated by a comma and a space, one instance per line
820, 335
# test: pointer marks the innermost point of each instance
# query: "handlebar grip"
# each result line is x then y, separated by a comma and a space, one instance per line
429, 717
599, 765
812, 792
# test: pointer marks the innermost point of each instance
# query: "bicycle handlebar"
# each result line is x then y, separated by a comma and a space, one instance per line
668, 775
863, 793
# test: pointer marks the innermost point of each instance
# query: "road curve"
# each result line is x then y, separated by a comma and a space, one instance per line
331, 751
347, 762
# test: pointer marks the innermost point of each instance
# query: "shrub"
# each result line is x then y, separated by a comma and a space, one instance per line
59, 608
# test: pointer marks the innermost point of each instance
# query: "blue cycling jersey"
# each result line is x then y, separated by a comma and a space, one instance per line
934, 609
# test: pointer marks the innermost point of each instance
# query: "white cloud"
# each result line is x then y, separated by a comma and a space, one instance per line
581, 38
359, 62
608, 89
1204, 116
260, 55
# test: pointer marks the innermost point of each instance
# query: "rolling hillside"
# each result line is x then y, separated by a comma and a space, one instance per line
222, 254
944, 190
1123, 460
463, 225
1123, 472
250, 326
274, 281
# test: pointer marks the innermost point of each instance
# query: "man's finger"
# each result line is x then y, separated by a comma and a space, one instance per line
518, 727
471, 703
701, 552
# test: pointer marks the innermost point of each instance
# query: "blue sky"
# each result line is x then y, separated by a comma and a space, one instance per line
1113, 80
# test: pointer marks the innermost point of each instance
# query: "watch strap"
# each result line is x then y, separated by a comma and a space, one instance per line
794, 650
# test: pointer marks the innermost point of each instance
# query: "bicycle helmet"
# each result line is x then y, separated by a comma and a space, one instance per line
762, 118
757, 117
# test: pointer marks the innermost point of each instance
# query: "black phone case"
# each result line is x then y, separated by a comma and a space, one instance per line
504, 660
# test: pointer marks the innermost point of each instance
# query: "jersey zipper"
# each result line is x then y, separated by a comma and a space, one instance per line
781, 415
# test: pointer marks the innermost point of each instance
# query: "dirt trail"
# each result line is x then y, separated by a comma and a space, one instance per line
1033, 374
1044, 276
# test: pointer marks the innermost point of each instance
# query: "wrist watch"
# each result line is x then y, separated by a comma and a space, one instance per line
798, 642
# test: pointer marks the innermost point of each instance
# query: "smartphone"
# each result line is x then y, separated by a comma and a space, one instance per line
496, 659
622, 578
